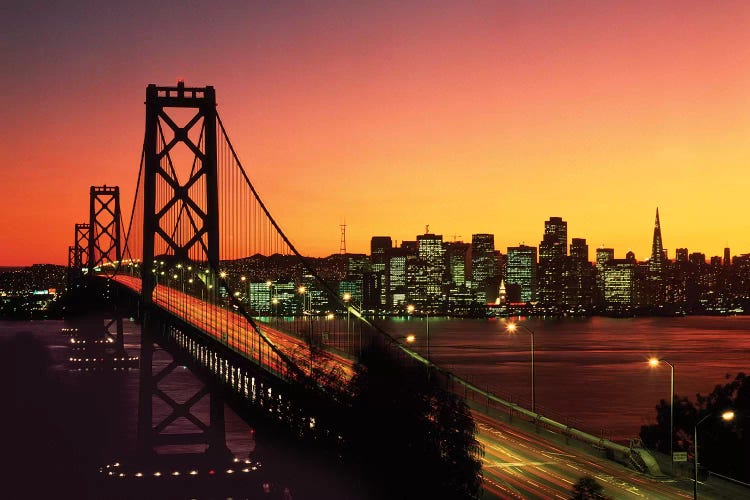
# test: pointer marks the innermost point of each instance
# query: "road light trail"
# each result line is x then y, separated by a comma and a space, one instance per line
520, 463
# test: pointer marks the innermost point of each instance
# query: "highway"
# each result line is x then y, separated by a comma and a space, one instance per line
523, 465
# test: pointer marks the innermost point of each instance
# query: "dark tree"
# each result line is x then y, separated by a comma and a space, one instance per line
587, 488
724, 446
412, 437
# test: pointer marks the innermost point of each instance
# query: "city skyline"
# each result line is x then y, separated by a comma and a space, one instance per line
470, 119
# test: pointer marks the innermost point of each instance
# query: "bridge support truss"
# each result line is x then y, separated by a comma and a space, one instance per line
151, 435
185, 222
180, 220
104, 225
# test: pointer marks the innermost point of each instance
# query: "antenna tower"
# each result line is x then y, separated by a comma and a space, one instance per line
342, 248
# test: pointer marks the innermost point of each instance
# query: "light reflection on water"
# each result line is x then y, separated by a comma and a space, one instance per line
593, 370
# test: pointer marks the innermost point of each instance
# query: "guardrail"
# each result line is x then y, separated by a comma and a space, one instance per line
638, 458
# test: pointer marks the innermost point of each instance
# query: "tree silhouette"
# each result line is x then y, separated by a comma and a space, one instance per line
414, 438
724, 447
587, 488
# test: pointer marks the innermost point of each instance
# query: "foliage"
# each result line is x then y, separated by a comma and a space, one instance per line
587, 488
414, 438
724, 446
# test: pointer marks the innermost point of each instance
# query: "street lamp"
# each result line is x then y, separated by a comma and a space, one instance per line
347, 297
269, 285
654, 362
410, 309
727, 416
512, 328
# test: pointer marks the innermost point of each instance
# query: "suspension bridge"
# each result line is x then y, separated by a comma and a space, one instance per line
213, 275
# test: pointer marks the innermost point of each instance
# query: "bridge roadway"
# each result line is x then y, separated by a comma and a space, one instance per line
517, 464
236, 332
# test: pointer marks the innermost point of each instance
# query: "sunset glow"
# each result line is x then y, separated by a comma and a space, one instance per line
481, 118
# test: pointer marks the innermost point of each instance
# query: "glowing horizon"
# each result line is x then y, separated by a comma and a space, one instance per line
482, 118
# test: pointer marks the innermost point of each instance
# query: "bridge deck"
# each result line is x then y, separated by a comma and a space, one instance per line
237, 333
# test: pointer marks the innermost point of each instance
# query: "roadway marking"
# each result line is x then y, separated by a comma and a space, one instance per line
496, 465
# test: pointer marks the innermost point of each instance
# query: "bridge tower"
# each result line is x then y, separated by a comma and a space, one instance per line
72, 271
81, 251
104, 226
181, 220
192, 192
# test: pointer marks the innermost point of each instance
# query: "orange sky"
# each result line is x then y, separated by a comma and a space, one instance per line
392, 115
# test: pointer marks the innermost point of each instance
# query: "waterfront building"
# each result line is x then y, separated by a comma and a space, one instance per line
259, 296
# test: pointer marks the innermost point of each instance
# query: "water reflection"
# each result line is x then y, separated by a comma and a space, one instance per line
83, 421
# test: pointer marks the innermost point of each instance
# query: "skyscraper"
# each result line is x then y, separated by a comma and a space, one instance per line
522, 271
430, 275
552, 253
455, 256
483, 263
603, 255
379, 247
579, 282
656, 264
727, 257
558, 228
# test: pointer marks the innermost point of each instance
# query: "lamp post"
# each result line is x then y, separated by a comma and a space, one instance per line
303, 291
182, 276
269, 285
512, 328
654, 362
410, 310
347, 297
727, 416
